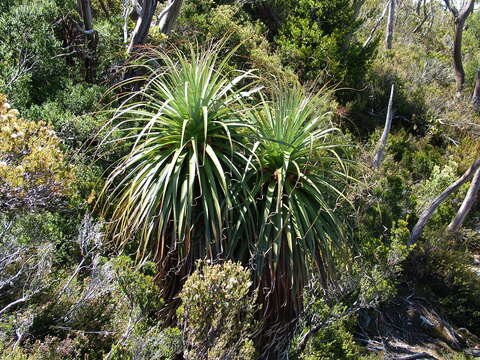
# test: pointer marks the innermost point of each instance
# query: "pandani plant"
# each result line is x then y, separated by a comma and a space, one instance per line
209, 176
294, 190
170, 193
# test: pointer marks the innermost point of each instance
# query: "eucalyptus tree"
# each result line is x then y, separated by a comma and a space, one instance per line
460, 17
142, 12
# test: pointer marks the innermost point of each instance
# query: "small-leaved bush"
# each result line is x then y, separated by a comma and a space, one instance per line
33, 170
217, 313
315, 39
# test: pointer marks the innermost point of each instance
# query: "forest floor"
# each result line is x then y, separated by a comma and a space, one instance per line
410, 328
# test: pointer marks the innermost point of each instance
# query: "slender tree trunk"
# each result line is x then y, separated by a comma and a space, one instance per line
390, 24
169, 15
382, 143
460, 19
87, 15
91, 40
457, 56
375, 27
428, 212
467, 203
476, 93
140, 33
80, 8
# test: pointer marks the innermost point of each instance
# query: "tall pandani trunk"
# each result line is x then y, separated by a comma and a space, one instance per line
281, 308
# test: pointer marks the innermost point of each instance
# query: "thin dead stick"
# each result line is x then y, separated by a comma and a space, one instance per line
382, 143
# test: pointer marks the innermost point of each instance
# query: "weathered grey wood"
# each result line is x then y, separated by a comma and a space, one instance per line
168, 17
375, 27
390, 24
382, 143
142, 27
422, 355
428, 212
467, 203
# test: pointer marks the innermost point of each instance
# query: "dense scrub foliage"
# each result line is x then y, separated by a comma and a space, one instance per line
208, 192
33, 171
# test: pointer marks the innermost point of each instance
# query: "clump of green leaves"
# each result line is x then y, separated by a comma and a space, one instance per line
442, 268
316, 39
33, 169
217, 20
217, 313
28, 63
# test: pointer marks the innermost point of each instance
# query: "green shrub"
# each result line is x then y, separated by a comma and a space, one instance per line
429, 189
30, 70
334, 342
217, 313
441, 269
33, 169
220, 20
315, 40
73, 114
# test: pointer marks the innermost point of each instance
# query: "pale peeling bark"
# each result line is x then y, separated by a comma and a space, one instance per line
390, 24
375, 27
467, 203
168, 17
428, 212
144, 20
382, 143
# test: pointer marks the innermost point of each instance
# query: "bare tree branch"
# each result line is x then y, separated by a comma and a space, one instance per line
382, 143
467, 203
428, 212
375, 27
390, 24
